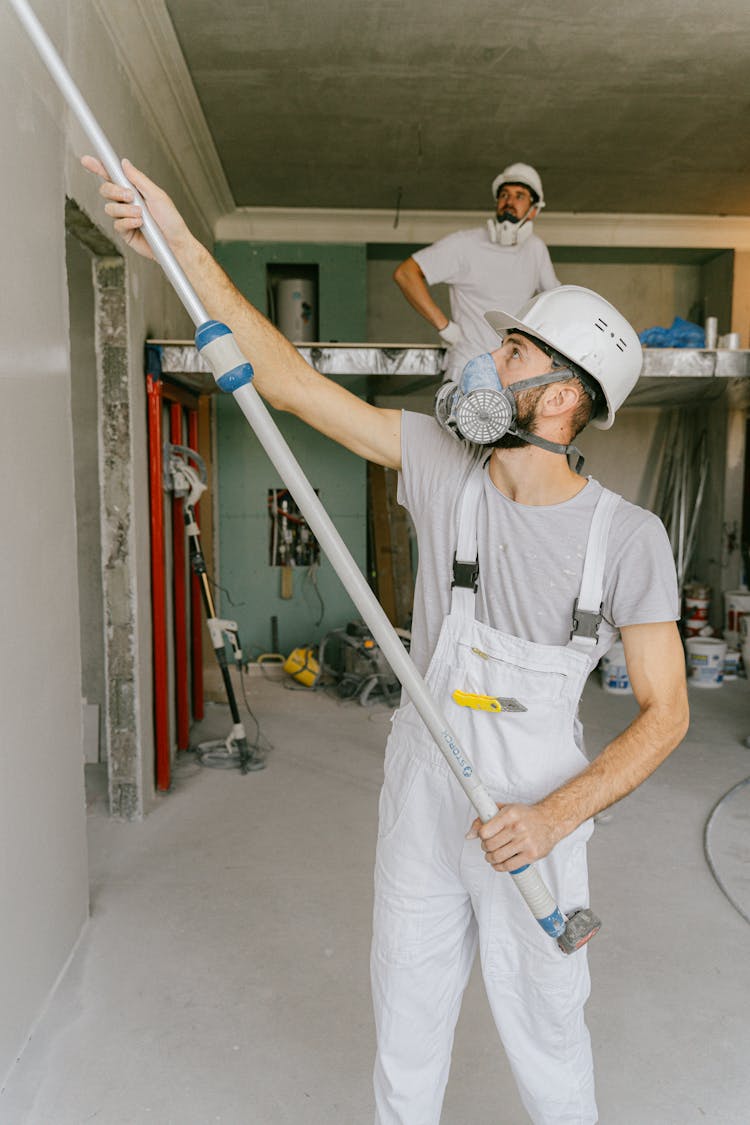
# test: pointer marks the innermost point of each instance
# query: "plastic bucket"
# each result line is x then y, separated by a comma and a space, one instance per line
614, 671
745, 650
696, 609
705, 661
732, 662
736, 606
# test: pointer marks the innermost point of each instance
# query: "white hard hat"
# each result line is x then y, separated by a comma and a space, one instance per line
520, 174
586, 329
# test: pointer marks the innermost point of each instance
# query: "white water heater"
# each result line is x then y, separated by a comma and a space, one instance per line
295, 308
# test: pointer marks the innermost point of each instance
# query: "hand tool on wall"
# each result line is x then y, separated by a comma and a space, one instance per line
234, 375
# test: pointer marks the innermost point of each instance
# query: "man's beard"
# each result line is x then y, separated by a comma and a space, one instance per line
525, 420
507, 216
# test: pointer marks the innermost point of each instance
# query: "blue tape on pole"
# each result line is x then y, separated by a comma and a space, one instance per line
208, 331
553, 924
235, 378
518, 870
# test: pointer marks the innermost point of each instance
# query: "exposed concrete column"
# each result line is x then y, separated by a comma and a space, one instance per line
116, 471
741, 296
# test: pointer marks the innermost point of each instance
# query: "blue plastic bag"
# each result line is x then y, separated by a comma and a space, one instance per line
681, 334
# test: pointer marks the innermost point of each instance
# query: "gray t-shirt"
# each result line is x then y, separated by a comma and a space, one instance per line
530, 558
484, 276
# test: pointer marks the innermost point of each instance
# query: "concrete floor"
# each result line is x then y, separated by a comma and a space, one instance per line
223, 976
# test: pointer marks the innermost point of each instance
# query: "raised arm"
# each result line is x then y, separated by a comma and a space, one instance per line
284, 379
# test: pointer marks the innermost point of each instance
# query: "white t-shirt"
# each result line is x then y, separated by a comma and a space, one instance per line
530, 558
484, 276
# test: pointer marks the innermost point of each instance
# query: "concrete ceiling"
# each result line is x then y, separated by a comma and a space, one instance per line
639, 106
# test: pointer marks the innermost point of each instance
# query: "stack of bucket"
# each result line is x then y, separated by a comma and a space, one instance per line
736, 607
705, 653
697, 603
711, 660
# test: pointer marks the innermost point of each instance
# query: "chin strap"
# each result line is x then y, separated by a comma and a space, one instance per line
553, 447
533, 439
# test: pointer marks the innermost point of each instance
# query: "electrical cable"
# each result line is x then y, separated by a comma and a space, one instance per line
312, 578
707, 847
217, 586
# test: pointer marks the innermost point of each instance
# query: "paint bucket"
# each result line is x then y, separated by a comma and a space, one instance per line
614, 671
732, 664
745, 645
705, 661
736, 606
696, 590
695, 615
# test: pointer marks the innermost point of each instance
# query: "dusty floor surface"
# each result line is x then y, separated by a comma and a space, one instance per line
223, 976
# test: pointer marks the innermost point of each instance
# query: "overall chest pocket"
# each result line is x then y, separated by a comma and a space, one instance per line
508, 675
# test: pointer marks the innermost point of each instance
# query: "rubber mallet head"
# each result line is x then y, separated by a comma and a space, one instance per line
580, 927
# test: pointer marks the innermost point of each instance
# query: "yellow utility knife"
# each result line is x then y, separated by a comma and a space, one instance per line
494, 703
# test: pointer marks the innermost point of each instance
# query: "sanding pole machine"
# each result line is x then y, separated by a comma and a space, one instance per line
234, 376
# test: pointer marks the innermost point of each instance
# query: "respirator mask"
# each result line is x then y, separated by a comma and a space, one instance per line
506, 230
480, 410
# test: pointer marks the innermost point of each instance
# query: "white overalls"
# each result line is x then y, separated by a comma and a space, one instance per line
437, 898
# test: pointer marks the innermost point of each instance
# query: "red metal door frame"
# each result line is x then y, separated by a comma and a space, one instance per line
196, 604
158, 393
154, 387
179, 595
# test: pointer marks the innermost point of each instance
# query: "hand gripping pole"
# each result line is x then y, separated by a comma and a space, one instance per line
234, 375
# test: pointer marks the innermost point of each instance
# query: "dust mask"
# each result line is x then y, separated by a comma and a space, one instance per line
509, 232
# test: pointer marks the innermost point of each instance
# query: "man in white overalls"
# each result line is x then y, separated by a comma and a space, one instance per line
515, 547
511, 542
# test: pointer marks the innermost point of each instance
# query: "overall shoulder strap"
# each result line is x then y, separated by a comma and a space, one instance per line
465, 558
587, 609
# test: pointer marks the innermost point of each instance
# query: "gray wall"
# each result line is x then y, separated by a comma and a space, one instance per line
43, 873
43, 878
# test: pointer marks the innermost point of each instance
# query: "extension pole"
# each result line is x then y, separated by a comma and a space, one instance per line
233, 373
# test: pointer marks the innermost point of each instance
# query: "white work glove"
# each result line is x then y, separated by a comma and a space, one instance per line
452, 334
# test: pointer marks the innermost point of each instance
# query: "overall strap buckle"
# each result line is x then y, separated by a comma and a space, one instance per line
586, 623
465, 574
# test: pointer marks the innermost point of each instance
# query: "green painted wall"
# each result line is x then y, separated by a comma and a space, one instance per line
342, 280
245, 473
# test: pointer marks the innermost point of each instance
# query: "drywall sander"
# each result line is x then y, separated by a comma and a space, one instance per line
234, 375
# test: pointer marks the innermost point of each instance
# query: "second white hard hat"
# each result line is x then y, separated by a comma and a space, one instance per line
586, 329
520, 174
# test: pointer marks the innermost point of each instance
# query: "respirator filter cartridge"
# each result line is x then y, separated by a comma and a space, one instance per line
484, 415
